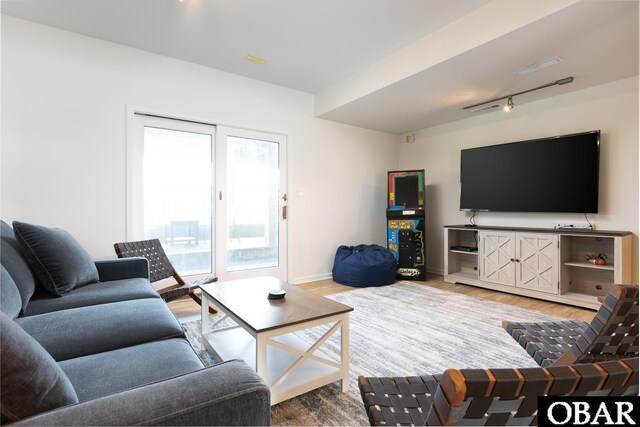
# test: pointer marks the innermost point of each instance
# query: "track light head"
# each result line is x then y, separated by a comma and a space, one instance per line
509, 104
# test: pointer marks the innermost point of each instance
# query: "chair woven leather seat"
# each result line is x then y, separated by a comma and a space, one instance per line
489, 396
400, 400
612, 334
546, 342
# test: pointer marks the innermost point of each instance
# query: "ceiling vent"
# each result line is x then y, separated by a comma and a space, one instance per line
484, 108
537, 66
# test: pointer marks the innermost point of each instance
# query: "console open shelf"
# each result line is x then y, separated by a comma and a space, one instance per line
589, 265
540, 263
464, 264
464, 252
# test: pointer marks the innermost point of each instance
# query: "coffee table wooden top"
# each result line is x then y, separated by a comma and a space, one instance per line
247, 300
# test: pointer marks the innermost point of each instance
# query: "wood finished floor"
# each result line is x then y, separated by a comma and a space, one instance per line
187, 310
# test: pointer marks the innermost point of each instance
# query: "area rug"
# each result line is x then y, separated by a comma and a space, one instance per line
398, 330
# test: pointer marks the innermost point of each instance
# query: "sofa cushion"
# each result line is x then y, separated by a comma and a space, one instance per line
76, 332
102, 374
92, 294
57, 259
10, 301
16, 264
32, 382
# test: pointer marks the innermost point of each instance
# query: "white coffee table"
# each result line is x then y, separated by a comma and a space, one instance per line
262, 333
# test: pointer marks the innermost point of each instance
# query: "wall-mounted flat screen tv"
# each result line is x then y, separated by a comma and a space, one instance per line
558, 174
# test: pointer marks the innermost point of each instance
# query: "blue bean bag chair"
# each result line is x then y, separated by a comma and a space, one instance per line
364, 265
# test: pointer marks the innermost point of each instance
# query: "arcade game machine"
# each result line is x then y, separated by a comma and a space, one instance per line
405, 222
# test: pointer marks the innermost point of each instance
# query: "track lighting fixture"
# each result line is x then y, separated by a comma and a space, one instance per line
509, 105
509, 97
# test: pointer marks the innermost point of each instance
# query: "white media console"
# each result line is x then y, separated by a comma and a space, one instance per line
548, 264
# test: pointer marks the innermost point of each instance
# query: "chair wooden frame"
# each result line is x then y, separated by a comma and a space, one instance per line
160, 267
612, 334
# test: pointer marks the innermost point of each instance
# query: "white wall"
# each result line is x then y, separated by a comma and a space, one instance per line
612, 108
63, 141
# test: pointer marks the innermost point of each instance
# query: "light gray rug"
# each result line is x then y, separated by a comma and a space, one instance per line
398, 330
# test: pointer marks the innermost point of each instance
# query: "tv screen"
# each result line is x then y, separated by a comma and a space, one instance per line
558, 174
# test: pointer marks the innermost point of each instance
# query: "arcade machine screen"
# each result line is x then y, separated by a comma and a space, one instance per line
406, 194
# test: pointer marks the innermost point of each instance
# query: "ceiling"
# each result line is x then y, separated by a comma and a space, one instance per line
390, 65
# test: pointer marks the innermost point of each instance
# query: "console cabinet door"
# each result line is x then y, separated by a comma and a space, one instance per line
497, 255
537, 262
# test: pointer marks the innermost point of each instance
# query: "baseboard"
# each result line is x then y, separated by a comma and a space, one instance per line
326, 276
315, 278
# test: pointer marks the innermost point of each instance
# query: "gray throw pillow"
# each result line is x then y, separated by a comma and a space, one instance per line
16, 264
56, 258
10, 301
32, 382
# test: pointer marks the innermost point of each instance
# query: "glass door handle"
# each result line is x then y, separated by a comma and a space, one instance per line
284, 212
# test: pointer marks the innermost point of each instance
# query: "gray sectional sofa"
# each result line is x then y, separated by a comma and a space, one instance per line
108, 352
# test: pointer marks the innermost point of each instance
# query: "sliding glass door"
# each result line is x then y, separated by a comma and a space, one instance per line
214, 196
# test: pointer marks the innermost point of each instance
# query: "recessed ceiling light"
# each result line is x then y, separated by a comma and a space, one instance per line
256, 59
537, 66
